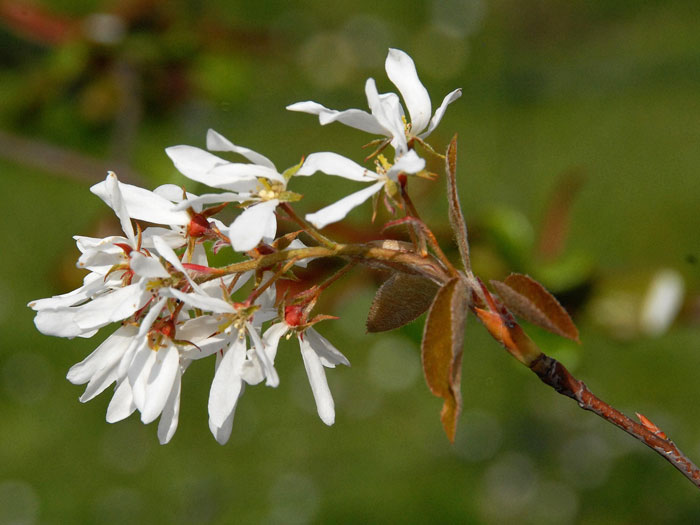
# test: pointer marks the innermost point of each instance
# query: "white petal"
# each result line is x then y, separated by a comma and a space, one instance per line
138, 373
222, 432
204, 167
194, 163
205, 302
148, 267
160, 382
214, 286
296, 244
318, 382
242, 280
143, 204
175, 238
128, 357
308, 106
211, 198
172, 192
111, 307
85, 243
271, 377
329, 354
227, 383
85, 319
57, 301
334, 164
340, 209
206, 347
272, 337
151, 316
169, 255
386, 108
217, 142
267, 299
108, 362
99, 382
256, 223
170, 416
231, 175
402, 72
59, 323
148, 206
105, 355
449, 99
410, 162
265, 313
252, 371
122, 404
199, 255
117, 204
103, 257
199, 328
355, 118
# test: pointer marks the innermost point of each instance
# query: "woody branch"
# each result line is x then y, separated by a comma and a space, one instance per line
554, 374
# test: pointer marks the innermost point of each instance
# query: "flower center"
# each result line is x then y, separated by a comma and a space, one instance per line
270, 190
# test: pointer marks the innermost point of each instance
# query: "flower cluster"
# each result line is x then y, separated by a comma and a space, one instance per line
173, 308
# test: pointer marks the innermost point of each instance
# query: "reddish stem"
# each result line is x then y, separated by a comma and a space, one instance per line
553, 373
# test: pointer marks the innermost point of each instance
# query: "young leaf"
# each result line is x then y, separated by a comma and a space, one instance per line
441, 350
401, 299
459, 227
506, 331
529, 300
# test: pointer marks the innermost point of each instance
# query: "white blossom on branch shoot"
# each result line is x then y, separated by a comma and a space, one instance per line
384, 178
316, 351
387, 116
257, 185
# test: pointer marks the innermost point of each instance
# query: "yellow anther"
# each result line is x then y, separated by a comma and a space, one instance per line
383, 163
267, 195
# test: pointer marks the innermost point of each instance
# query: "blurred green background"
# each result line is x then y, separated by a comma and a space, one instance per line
602, 93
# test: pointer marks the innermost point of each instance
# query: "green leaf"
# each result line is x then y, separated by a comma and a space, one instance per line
531, 301
441, 350
400, 300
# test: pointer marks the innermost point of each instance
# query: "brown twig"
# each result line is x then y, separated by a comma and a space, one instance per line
368, 254
554, 374
307, 226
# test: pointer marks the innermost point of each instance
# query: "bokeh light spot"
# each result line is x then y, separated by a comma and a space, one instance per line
294, 499
19, 503
27, 377
393, 363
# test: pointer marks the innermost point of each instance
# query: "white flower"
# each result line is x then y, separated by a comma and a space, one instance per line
334, 164
147, 362
139, 203
147, 367
127, 281
232, 325
257, 183
317, 353
160, 206
388, 116
116, 288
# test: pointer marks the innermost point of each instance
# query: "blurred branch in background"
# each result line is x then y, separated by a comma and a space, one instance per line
60, 161
95, 78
